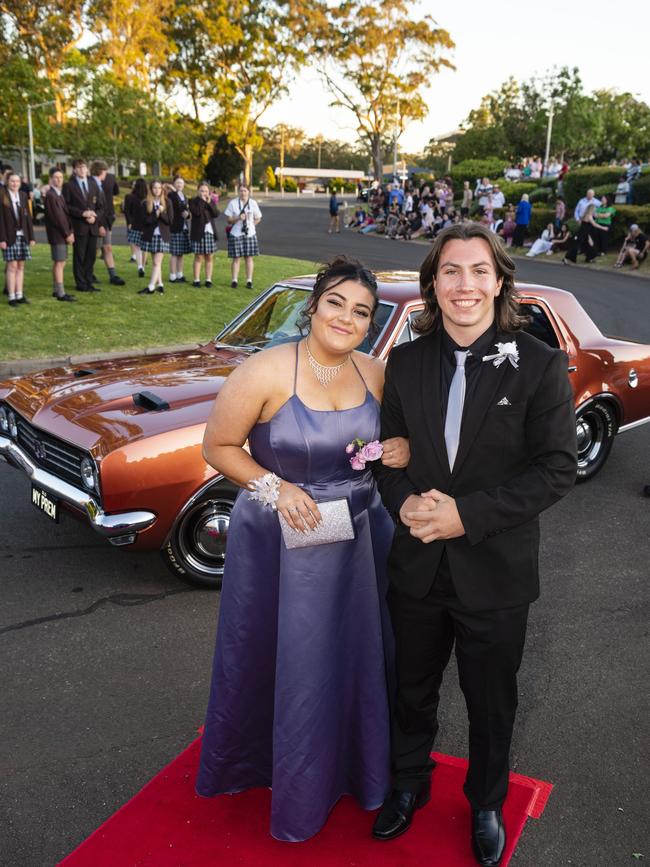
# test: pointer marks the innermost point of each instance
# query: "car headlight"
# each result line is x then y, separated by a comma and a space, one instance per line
13, 424
89, 474
4, 421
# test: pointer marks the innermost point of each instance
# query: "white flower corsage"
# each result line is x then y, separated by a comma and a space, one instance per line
505, 352
265, 490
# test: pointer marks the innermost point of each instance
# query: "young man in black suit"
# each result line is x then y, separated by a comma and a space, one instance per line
110, 188
489, 413
60, 234
85, 203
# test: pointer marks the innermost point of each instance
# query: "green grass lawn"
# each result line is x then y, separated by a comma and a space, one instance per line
117, 317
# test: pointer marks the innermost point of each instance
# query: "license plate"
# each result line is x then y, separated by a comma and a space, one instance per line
46, 503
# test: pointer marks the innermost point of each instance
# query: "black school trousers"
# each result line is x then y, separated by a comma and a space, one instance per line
489, 647
83, 260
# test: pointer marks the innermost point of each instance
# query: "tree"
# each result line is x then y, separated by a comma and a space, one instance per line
20, 85
132, 44
234, 59
376, 61
225, 163
47, 31
624, 128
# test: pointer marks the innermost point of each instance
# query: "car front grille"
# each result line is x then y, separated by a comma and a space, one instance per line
49, 453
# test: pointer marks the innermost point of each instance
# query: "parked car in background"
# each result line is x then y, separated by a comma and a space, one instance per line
118, 443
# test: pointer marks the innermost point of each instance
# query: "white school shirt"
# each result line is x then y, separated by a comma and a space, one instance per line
252, 213
15, 201
156, 231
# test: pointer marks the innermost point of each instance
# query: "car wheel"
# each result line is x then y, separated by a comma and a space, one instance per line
196, 549
596, 429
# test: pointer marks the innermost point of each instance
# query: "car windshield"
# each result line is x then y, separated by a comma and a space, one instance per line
273, 319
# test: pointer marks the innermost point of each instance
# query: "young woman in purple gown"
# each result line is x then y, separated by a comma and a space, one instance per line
299, 697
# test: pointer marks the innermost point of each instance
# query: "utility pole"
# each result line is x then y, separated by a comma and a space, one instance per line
30, 130
549, 130
282, 161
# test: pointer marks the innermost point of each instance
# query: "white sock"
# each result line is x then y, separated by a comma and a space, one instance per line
179, 274
151, 287
172, 278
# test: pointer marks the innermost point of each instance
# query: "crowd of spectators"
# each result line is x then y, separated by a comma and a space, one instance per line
406, 211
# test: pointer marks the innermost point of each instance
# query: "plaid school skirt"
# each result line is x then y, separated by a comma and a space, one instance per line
134, 236
243, 245
205, 246
18, 251
155, 245
180, 243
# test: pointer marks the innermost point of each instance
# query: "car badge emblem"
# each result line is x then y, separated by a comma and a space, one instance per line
504, 402
39, 450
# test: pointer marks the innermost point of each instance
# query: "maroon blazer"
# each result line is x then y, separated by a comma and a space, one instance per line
163, 221
9, 225
202, 213
58, 224
77, 204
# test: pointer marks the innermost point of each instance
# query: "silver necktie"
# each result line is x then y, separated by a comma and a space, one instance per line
455, 407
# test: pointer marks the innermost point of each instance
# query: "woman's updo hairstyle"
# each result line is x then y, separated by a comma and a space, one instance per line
340, 270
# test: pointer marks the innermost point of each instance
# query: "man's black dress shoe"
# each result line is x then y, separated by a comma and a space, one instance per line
397, 812
117, 281
488, 837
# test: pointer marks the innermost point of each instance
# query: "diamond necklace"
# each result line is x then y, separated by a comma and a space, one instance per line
324, 373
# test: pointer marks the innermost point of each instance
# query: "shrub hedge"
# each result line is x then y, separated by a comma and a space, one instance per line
470, 170
578, 181
641, 190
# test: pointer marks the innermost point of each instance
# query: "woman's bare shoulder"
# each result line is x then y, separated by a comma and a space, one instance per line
372, 369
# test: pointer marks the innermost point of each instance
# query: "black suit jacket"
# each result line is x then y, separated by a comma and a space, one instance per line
179, 206
516, 457
77, 204
58, 224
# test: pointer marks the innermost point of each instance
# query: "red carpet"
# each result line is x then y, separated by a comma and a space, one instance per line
167, 825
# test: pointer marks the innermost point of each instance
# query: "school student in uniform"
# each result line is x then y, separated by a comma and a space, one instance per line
243, 214
158, 215
60, 234
133, 214
85, 203
179, 244
203, 233
107, 183
16, 236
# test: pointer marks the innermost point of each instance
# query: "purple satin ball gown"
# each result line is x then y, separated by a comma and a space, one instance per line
299, 696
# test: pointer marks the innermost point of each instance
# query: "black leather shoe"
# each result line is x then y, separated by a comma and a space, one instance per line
22, 300
397, 812
65, 297
117, 281
146, 291
488, 837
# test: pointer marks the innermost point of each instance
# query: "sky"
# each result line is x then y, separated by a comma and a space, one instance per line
608, 44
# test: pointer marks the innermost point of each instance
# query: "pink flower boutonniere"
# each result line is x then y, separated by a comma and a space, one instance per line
362, 452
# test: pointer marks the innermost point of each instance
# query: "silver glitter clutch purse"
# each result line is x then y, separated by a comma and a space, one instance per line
337, 526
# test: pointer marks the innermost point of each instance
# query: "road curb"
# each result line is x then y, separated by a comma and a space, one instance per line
22, 366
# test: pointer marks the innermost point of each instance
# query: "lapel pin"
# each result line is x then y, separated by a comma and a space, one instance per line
504, 402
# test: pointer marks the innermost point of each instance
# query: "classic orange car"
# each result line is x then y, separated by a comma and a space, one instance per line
118, 443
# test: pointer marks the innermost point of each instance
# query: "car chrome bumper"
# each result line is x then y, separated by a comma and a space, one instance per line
118, 524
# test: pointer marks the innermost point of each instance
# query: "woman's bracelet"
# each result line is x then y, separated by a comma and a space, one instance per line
265, 490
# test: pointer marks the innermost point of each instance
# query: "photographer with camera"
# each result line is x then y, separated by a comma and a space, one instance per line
243, 214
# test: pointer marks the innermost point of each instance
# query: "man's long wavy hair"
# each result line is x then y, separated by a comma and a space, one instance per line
507, 311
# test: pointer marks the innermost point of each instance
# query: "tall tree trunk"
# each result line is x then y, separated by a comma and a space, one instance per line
248, 163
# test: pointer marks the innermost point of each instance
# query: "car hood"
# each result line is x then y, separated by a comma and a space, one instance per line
92, 406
